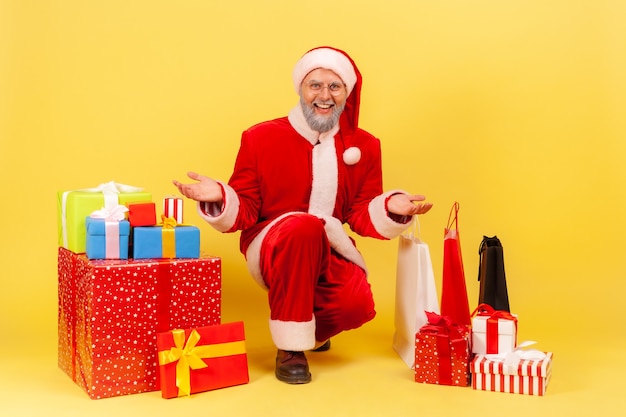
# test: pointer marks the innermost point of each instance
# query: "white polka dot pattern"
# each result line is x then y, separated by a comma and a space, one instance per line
111, 310
449, 366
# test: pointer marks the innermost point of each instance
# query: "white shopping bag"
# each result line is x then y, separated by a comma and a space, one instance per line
415, 292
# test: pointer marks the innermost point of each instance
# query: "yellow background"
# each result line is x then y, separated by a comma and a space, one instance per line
513, 108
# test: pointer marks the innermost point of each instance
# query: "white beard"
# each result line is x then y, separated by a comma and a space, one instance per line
319, 123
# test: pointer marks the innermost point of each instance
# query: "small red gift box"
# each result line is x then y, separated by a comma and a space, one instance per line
528, 375
202, 359
442, 352
142, 214
110, 311
493, 331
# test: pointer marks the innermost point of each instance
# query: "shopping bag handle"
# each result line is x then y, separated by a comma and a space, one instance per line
410, 231
455, 219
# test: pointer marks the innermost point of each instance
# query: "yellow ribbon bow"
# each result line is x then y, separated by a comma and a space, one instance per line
168, 222
190, 356
168, 236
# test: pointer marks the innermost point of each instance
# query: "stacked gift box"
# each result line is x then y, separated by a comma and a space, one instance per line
484, 355
125, 282
478, 349
499, 363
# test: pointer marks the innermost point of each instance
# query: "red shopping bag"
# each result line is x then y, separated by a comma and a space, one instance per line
454, 302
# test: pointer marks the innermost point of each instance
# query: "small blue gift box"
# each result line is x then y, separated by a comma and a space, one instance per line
161, 242
107, 240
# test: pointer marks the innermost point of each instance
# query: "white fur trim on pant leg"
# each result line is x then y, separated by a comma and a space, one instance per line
253, 253
381, 221
225, 220
293, 335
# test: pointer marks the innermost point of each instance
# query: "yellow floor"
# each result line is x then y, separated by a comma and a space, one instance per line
360, 376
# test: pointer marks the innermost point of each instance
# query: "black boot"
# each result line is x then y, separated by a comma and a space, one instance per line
322, 348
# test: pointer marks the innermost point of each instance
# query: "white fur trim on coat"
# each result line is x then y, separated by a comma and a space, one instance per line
224, 220
293, 335
325, 178
380, 218
341, 243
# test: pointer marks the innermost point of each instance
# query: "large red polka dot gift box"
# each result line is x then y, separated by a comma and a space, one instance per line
110, 312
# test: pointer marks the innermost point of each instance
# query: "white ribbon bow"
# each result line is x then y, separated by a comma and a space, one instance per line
110, 214
113, 187
110, 190
513, 358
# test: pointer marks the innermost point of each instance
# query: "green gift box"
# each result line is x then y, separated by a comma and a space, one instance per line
74, 206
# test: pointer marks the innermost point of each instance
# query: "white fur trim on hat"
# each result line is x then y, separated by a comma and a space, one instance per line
324, 58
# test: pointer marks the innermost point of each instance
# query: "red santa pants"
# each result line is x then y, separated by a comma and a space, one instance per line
311, 284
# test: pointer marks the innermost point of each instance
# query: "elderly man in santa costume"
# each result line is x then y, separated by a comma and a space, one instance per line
296, 181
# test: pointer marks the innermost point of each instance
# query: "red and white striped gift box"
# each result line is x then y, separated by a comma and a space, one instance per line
530, 377
173, 208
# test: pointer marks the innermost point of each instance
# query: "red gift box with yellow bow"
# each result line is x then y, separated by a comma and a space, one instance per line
202, 359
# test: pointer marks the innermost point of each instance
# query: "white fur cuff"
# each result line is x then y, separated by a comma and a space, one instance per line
293, 335
380, 218
225, 220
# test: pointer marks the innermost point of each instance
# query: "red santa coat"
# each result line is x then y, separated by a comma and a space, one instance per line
278, 172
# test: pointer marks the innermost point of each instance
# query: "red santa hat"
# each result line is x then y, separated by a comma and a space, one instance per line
339, 62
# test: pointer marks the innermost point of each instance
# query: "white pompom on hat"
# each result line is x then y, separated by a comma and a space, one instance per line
325, 58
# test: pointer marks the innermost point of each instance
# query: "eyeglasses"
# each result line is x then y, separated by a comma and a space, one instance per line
335, 88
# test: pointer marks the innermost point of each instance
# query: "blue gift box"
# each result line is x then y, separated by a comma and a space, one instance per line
148, 242
97, 239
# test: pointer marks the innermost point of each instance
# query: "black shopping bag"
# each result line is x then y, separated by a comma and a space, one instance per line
493, 290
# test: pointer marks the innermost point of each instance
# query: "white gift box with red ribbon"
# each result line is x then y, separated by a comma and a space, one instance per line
493, 331
517, 372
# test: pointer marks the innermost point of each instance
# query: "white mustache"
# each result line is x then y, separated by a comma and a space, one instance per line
325, 103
